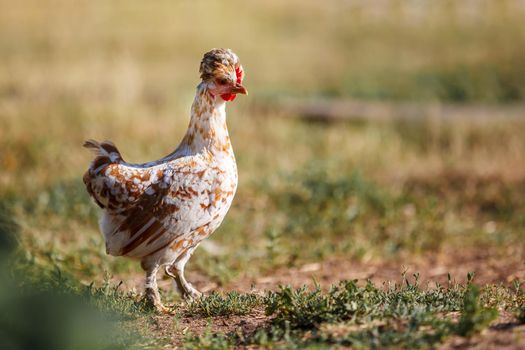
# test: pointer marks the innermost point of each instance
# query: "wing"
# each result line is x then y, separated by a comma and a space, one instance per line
118, 187
175, 205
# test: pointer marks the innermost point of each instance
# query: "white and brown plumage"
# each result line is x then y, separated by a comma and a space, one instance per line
159, 212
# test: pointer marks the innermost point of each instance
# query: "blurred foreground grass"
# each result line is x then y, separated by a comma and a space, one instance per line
362, 191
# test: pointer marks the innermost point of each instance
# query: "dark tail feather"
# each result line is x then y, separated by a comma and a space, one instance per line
104, 149
106, 154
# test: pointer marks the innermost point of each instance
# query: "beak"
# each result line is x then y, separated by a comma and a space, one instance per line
239, 89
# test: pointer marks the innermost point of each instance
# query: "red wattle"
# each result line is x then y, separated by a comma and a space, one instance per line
228, 97
239, 73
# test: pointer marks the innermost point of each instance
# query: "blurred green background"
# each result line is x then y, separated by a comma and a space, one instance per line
359, 190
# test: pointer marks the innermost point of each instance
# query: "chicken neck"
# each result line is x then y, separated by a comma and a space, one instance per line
207, 130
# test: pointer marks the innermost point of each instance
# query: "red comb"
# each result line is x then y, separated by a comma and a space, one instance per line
240, 74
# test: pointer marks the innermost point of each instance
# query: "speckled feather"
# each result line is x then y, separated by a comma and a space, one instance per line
166, 207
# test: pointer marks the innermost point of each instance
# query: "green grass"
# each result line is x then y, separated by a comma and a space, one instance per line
363, 315
368, 316
231, 303
474, 317
207, 341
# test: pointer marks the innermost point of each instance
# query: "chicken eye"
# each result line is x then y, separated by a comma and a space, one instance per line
222, 81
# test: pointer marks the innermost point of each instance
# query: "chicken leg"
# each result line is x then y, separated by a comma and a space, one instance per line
176, 271
152, 289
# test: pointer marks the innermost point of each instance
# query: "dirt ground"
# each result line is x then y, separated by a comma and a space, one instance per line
489, 267
504, 333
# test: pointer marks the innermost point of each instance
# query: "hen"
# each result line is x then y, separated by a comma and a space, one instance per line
159, 212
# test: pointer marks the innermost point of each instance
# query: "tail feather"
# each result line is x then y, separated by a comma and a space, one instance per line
104, 149
106, 154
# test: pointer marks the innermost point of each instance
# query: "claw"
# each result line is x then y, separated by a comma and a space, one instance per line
164, 310
187, 291
191, 293
153, 299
